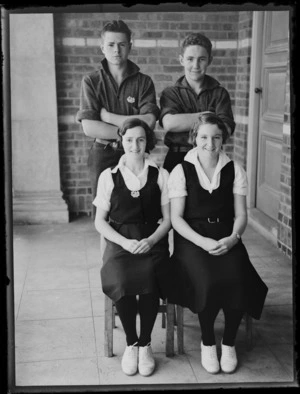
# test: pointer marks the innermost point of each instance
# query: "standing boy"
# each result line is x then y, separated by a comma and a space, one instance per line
110, 95
192, 94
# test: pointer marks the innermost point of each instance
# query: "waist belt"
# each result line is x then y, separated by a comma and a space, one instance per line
179, 148
135, 222
212, 219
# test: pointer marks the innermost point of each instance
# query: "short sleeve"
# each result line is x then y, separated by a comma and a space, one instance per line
240, 185
177, 183
162, 181
104, 190
90, 105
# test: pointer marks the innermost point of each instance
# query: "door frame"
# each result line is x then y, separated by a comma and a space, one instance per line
254, 105
261, 222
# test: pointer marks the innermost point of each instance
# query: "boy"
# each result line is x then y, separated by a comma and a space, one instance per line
192, 94
110, 95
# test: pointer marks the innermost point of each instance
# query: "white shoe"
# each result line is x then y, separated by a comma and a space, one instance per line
146, 360
228, 359
209, 358
130, 360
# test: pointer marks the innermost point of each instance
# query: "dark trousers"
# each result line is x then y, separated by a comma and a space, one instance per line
101, 157
128, 307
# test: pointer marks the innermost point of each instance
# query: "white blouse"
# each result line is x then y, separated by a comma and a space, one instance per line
133, 182
177, 183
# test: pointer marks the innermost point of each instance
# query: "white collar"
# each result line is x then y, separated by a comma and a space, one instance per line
192, 157
122, 163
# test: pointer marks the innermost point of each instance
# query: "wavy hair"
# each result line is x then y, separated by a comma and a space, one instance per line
135, 122
208, 119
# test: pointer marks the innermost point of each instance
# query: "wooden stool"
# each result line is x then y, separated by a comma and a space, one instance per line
168, 321
180, 342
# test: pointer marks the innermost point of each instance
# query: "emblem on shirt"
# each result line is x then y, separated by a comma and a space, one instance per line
130, 99
135, 194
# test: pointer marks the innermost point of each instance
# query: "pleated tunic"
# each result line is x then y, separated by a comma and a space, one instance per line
135, 215
230, 280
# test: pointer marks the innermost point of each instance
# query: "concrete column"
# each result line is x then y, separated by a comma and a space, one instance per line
37, 197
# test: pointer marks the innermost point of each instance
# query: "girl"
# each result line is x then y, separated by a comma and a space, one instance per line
208, 213
133, 215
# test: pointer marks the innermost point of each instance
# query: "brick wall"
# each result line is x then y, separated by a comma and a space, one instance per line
285, 205
242, 86
156, 42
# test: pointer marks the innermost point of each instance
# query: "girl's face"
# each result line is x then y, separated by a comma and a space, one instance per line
209, 140
134, 142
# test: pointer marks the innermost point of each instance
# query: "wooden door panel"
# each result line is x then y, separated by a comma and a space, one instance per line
269, 174
273, 82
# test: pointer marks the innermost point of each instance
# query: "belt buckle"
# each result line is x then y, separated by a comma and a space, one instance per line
213, 221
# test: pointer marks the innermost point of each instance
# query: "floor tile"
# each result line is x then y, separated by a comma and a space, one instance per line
168, 370
97, 301
58, 373
55, 304
60, 317
94, 277
276, 325
44, 340
286, 356
54, 278
258, 365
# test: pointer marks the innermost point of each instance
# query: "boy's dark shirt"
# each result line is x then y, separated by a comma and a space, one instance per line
181, 98
135, 95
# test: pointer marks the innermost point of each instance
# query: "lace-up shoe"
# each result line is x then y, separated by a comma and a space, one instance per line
130, 360
209, 358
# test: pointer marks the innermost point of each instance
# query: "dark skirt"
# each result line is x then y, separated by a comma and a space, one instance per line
124, 273
229, 280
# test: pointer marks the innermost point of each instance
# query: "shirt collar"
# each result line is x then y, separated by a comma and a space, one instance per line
122, 163
132, 68
192, 157
208, 83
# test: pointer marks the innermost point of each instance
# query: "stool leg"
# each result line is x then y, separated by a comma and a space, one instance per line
170, 330
249, 332
108, 327
163, 314
180, 344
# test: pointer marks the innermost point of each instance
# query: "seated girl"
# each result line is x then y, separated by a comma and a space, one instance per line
133, 216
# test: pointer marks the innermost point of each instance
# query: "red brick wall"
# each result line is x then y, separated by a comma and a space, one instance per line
242, 86
157, 38
285, 210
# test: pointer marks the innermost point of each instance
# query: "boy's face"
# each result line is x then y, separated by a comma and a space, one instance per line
115, 47
195, 61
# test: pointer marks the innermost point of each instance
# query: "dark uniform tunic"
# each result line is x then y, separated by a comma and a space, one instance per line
124, 273
229, 280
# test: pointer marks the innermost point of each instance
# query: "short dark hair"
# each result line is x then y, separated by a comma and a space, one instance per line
117, 26
197, 39
135, 122
208, 119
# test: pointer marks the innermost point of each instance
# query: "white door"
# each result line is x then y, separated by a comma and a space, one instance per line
272, 98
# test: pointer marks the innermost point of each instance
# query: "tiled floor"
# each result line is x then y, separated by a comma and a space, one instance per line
59, 319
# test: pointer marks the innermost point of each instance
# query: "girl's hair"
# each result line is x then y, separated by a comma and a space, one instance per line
135, 122
208, 119
197, 39
117, 27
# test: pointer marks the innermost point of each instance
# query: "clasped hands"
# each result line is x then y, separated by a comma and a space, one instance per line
220, 247
135, 247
